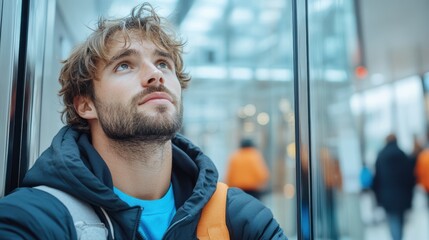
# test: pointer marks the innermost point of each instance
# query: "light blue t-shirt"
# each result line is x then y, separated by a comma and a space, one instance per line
157, 214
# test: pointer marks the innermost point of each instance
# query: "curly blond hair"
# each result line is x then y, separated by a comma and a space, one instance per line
79, 70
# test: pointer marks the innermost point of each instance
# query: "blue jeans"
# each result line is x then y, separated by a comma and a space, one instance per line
396, 224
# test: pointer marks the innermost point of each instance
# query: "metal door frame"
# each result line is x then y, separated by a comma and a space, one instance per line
302, 116
10, 32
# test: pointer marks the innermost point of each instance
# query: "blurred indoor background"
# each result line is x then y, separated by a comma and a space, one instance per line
317, 84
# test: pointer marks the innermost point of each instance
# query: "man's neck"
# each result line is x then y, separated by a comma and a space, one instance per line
139, 169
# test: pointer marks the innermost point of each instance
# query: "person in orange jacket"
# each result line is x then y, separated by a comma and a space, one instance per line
422, 170
247, 169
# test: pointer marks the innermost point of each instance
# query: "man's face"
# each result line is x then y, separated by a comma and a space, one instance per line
137, 94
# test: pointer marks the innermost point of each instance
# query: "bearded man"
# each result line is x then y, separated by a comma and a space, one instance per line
120, 152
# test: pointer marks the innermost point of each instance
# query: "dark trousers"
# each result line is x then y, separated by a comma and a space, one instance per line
396, 224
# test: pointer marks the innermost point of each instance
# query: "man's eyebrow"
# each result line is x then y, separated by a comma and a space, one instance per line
163, 54
122, 54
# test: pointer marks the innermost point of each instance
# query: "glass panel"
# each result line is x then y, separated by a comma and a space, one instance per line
335, 150
239, 54
366, 65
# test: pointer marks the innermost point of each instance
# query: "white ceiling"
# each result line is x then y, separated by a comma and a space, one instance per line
394, 32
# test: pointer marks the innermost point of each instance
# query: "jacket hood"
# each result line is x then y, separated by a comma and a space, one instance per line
72, 165
194, 171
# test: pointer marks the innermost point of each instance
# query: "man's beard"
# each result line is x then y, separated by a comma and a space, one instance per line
124, 123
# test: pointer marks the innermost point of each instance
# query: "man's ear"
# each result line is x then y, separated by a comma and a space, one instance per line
85, 107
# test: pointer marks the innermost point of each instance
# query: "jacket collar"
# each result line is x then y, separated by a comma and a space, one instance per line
71, 164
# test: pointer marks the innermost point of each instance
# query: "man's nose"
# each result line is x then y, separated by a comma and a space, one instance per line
153, 77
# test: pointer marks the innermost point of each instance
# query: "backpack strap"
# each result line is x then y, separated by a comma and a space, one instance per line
212, 224
88, 224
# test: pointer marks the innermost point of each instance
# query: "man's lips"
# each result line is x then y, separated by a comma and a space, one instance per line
156, 96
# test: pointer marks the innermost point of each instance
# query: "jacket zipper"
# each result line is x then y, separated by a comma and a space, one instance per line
174, 224
138, 236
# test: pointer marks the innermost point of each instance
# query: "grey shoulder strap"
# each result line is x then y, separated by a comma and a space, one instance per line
88, 224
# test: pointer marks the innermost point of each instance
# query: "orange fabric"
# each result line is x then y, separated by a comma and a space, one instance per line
247, 170
422, 169
212, 224
331, 170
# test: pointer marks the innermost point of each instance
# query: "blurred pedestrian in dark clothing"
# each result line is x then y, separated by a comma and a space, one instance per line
393, 184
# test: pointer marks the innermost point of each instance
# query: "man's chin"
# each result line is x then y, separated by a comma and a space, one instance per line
160, 116
155, 135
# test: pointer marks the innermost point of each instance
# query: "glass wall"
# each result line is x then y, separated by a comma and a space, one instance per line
335, 152
240, 56
365, 83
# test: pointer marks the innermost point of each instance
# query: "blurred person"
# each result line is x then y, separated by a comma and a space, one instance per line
417, 149
421, 169
333, 182
393, 184
305, 195
247, 169
120, 151
365, 178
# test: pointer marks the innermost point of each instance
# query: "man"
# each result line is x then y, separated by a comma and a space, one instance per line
120, 151
393, 184
247, 169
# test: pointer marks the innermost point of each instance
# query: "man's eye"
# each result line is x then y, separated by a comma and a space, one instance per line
122, 67
163, 65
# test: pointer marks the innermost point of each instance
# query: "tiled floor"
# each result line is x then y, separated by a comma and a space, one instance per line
372, 222
416, 225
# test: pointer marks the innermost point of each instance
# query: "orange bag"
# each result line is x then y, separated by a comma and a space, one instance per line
212, 224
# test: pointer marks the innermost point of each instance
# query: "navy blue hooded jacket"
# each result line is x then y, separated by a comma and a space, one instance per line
393, 182
72, 165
